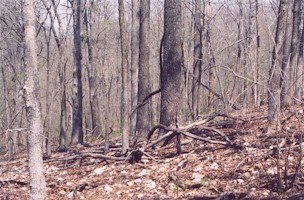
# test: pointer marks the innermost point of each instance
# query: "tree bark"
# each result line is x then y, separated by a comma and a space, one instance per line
143, 123
171, 79
125, 100
274, 90
77, 129
94, 105
134, 61
31, 94
294, 49
198, 58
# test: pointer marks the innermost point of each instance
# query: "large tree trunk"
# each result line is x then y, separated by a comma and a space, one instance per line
198, 58
274, 90
77, 129
31, 92
94, 105
125, 100
294, 49
134, 61
143, 123
171, 79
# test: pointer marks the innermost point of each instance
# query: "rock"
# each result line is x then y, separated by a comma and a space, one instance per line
59, 179
69, 184
150, 185
62, 192
71, 195
138, 180
99, 170
197, 178
130, 183
214, 166
240, 181
140, 196
143, 172
108, 188
198, 168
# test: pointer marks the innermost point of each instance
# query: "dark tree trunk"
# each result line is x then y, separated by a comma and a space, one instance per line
31, 94
77, 129
171, 78
143, 123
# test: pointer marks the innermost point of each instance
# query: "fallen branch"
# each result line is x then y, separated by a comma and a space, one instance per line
93, 155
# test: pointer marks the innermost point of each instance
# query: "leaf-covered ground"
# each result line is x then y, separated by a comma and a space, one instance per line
259, 165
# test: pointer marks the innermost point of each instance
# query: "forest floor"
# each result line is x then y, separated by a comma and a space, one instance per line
262, 165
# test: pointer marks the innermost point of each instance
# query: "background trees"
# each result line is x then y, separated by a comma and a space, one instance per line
223, 59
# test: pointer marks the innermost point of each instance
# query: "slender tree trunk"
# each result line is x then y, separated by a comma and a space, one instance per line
301, 61
211, 60
77, 128
198, 58
46, 127
31, 94
94, 105
134, 61
274, 90
143, 123
125, 100
256, 90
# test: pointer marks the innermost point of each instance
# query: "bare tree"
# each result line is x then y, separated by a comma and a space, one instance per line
274, 90
171, 79
125, 102
143, 123
31, 93
198, 58
94, 105
134, 61
294, 49
77, 129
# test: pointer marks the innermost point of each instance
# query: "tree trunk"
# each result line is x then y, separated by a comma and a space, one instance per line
31, 94
94, 105
256, 89
171, 79
211, 60
143, 123
125, 102
274, 91
198, 58
77, 129
134, 61
294, 49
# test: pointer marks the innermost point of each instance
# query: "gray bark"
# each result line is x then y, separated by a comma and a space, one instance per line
125, 100
31, 94
198, 58
274, 90
143, 123
94, 105
134, 61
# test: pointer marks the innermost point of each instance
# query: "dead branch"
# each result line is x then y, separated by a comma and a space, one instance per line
145, 100
188, 134
92, 155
